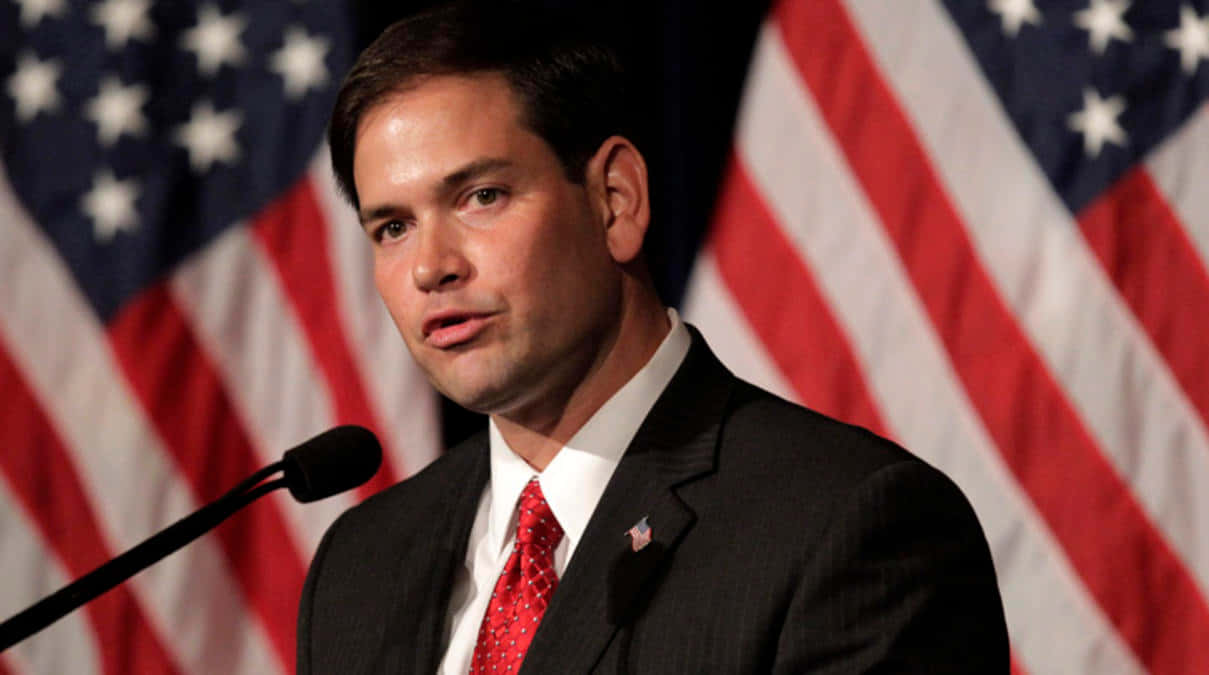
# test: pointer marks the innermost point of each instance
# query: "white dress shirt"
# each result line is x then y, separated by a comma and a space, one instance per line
572, 484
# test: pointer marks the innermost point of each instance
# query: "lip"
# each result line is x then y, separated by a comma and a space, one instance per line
452, 327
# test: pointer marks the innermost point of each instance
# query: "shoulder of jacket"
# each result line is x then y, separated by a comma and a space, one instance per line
431, 484
768, 428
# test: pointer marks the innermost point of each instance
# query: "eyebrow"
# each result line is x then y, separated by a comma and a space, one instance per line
473, 170
459, 177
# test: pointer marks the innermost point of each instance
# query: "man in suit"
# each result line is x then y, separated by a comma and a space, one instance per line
633, 507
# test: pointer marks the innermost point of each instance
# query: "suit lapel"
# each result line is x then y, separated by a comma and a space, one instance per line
606, 582
414, 643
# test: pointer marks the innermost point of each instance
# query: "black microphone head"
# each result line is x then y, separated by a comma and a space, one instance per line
336, 460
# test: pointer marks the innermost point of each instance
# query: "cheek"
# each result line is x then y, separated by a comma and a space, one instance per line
391, 282
530, 270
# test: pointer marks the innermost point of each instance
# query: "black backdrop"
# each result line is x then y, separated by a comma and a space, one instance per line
687, 62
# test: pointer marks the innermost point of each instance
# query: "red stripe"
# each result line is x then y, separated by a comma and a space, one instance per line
1146, 252
41, 475
292, 232
753, 255
1143, 588
760, 267
186, 401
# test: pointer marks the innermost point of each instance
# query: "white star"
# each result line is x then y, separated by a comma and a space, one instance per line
123, 20
209, 136
110, 204
1104, 20
215, 39
1191, 38
33, 11
300, 62
33, 86
1098, 122
117, 110
1015, 13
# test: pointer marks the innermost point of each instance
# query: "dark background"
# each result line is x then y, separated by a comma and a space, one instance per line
686, 64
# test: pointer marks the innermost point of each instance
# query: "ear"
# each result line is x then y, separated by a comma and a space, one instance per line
620, 176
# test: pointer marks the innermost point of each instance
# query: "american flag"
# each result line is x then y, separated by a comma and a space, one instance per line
640, 534
982, 229
183, 296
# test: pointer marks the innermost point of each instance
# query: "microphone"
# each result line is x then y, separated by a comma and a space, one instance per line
336, 460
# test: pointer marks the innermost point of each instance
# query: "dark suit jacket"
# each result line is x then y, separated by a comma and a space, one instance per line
784, 541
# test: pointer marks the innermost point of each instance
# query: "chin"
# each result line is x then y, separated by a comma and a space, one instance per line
481, 397
504, 393
484, 403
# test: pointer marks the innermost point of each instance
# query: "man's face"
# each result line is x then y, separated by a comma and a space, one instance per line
492, 263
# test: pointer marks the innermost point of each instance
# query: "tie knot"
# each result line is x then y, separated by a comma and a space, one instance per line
536, 525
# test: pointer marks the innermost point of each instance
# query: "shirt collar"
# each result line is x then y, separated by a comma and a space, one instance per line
576, 478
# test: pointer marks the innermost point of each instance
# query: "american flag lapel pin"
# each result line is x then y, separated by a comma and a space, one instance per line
640, 534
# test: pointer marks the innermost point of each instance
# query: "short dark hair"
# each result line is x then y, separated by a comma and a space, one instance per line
569, 84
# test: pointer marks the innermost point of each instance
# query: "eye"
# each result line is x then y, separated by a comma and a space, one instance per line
390, 230
482, 206
485, 196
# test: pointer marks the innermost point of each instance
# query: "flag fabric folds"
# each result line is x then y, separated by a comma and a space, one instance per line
978, 228
183, 297
982, 229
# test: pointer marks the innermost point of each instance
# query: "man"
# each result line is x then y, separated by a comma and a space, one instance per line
633, 507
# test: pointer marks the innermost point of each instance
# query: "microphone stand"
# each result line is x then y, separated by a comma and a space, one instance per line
151, 550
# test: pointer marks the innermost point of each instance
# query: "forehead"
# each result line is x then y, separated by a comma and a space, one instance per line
441, 119
483, 93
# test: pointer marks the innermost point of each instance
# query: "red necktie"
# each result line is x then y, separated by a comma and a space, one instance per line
523, 590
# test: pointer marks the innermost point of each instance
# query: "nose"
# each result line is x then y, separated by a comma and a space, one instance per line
439, 262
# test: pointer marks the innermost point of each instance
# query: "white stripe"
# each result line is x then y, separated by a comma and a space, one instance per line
402, 397
792, 158
58, 344
711, 307
244, 320
32, 572
1180, 168
1032, 249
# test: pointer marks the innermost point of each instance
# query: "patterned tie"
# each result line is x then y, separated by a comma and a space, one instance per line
523, 590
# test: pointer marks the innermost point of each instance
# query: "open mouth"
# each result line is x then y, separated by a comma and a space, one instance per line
445, 320
453, 328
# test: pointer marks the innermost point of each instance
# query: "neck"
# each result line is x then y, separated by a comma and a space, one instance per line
539, 432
